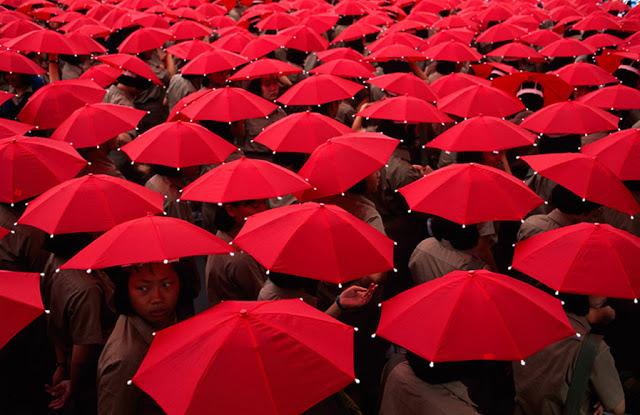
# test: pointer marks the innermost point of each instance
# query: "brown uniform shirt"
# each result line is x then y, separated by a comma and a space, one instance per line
21, 250
79, 304
542, 384
406, 394
536, 224
237, 277
181, 210
360, 207
179, 87
270, 292
122, 355
433, 259
622, 220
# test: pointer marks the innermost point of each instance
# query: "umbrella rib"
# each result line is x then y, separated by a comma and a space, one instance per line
444, 329
619, 260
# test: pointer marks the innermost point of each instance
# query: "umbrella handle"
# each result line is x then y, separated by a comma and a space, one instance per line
505, 162
54, 69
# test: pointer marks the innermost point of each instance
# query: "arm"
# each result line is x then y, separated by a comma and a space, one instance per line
352, 297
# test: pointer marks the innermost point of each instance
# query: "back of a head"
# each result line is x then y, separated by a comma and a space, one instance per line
460, 238
531, 94
441, 372
395, 67
67, 245
569, 143
570, 203
445, 67
575, 304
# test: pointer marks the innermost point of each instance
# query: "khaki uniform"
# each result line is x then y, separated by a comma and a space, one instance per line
406, 394
254, 126
270, 292
536, 224
181, 210
179, 87
360, 207
622, 220
543, 383
237, 277
433, 259
122, 355
22, 250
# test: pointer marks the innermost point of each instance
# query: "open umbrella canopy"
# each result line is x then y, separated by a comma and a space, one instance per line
215, 60
102, 74
132, 64
617, 97
452, 51
178, 144
50, 105
481, 316
244, 179
402, 83
405, 109
95, 124
483, 133
144, 39
317, 241
454, 82
300, 132
29, 166
619, 152
147, 239
264, 68
14, 62
587, 258
320, 89
190, 49
566, 47
584, 119
585, 74
345, 68
9, 128
480, 100
554, 88
20, 299
91, 203
516, 50
341, 162
469, 184
249, 341
43, 41
585, 176
228, 104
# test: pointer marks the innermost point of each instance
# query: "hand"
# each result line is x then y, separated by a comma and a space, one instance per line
598, 409
601, 316
60, 394
424, 170
355, 296
362, 106
58, 375
123, 139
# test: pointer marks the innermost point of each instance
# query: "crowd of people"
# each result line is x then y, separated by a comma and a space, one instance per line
365, 105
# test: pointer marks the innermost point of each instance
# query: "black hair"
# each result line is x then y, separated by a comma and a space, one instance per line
532, 102
67, 245
296, 57
165, 170
627, 78
442, 372
254, 87
222, 129
394, 66
570, 203
223, 221
569, 143
134, 82
445, 67
293, 282
575, 304
460, 238
292, 161
469, 157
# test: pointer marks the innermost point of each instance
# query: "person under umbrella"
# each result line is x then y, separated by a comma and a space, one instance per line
23, 86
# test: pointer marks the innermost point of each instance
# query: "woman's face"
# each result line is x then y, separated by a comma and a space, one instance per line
153, 292
269, 88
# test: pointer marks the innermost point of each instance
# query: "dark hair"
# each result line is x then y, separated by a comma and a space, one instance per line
575, 304
223, 221
67, 245
627, 78
293, 282
359, 188
165, 170
570, 203
469, 157
120, 277
134, 82
395, 67
293, 161
445, 67
222, 129
532, 102
442, 372
297, 57
460, 238
254, 87
569, 143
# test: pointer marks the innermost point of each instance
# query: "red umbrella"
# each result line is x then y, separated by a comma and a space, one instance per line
566, 47
554, 88
244, 179
587, 258
17, 27
617, 97
92, 203
261, 46
318, 241
483, 134
570, 117
579, 74
176, 112
20, 299
481, 316
300, 132
397, 52
95, 124
405, 109
480, 100
500, 33
356, 31
452, 51
277, 21
5, 96
586, 177
396, 39
3, 232
597, 21
217, 60
147, 239
402, 83
340, 163
319, 89
454, 82
620, 152
9, 128
14, 62
228, 105
187, 29
29, 166
248, 341
345, 68
602, 40
265, 68
132, 64
189, 49
144, 39
469, 185
102, 74
541, 38
179, 144
516, 50
50, 105
42, 41
352, 8
303, 38
463, 36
